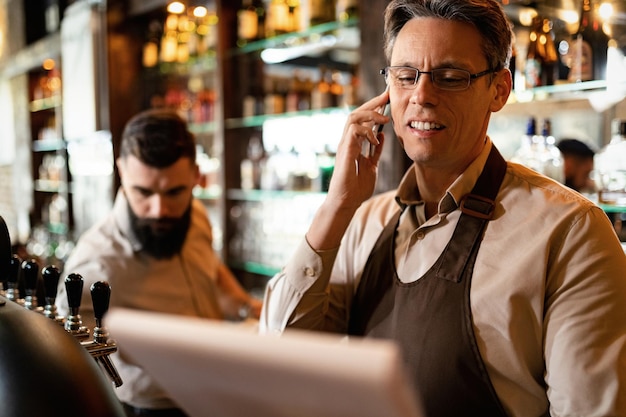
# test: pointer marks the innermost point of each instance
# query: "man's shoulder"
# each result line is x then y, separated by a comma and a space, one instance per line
525, 191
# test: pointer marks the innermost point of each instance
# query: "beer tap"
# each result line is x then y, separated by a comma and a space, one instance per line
50, 276
73, 322
13, 280
30, 269
101, 346
5, 258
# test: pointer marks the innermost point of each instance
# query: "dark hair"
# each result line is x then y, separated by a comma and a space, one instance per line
575, 147
158, 138
487, 16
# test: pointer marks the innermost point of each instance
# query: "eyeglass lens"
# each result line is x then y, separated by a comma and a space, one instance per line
444, 78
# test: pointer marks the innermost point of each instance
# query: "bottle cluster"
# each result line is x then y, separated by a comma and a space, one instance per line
186, 34
258, 19
576, 58
538, 151
302, 90
194, 106
279, 169
268, 231
610, 167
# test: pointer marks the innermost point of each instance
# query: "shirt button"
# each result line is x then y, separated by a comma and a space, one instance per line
309, 272
420, 235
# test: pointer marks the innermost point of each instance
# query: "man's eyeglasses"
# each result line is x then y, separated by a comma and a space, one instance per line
450, 79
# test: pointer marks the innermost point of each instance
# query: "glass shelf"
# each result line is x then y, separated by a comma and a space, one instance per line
612, 209
213, 193
45, 103
264, 195
195, 65
257, 121
203, 128
49, 145
566, 89
256, 268
295, 38
50, 186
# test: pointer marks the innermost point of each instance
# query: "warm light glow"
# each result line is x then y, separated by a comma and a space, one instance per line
200, 11
569, 16
176, 7
48, 64
171, 23
526, 15
606, 11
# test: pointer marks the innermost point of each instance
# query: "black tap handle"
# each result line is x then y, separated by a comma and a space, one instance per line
50, 276
74, 288
30, 269
14, 270
5, 253
100, 296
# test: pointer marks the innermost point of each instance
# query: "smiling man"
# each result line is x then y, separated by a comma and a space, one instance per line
504, 289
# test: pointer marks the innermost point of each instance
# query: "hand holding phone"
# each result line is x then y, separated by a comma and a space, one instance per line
369, 148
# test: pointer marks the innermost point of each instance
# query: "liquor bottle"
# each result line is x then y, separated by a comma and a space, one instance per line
292, 99
549, 155
538, 151
336, 89
346, 10
52, 16
169, 39
150, 55
295, 17
588, 49
610, 167
321, 96
524, 153
247, 23
251, 165
541, 57
322, 11
277, 21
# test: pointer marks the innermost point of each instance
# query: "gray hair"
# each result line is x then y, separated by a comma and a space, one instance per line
487, 16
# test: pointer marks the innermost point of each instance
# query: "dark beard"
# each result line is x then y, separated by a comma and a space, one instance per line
161, 238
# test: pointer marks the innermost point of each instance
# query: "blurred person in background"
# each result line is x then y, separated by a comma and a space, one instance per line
155, 248
577, 165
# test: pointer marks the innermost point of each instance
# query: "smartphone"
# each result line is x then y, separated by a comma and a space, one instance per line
379, 127
368, 148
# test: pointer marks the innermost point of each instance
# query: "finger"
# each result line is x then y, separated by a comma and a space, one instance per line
376, 102
378, 150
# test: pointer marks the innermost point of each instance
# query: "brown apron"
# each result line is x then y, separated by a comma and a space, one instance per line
431, 318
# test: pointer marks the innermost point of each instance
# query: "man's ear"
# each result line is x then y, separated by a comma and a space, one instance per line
119, 162
503, 84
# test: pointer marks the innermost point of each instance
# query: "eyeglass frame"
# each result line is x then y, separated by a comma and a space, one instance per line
385, 71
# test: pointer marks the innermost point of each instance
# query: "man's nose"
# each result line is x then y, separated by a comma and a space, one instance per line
424, 91
159, 207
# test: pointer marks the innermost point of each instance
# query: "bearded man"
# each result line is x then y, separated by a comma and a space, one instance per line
155, 247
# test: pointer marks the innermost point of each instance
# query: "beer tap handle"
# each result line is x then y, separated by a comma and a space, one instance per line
74, 288
13, 279
5, 256
30, 269
50, 276
101, 347
100, 296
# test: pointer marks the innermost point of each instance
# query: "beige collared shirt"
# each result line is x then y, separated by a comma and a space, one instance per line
185, 284
548, 292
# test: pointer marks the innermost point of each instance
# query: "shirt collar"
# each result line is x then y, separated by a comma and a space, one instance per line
408, 190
